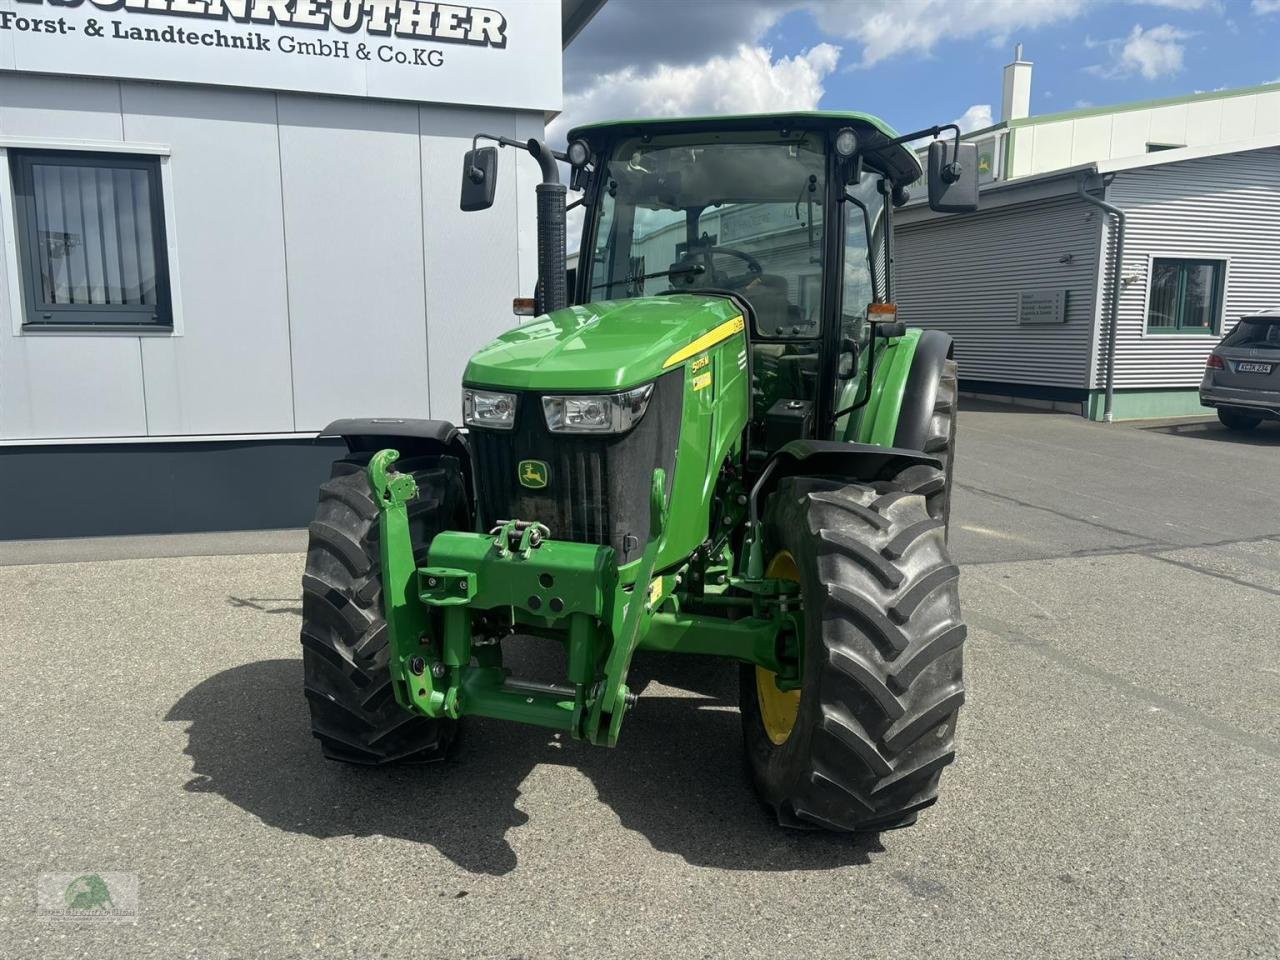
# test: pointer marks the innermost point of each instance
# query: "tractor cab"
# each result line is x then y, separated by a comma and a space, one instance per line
787, 215
790, 215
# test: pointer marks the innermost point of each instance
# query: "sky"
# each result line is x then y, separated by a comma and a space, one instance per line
912, 62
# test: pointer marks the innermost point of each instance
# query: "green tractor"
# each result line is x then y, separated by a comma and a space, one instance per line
715, 438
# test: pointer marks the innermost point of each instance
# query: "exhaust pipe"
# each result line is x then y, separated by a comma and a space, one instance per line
552, 292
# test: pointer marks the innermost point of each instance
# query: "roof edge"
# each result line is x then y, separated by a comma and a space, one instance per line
1142, 105
899, 160
1181, 154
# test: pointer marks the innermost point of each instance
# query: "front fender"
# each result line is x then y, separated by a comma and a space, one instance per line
865, 462
410, 438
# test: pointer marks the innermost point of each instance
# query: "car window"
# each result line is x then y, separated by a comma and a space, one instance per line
1257, 333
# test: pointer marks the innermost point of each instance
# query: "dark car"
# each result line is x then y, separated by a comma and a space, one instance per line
1242, 375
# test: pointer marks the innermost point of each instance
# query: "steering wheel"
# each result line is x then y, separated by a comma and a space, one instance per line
754, 268
704, 254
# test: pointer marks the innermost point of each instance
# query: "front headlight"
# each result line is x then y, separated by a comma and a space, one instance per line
597, 413
488, 408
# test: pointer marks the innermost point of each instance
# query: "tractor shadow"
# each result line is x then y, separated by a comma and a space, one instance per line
678, 776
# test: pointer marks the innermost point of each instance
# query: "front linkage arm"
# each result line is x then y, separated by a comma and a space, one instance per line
405, 612
570, 591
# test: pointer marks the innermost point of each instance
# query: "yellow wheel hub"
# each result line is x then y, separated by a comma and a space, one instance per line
778, 708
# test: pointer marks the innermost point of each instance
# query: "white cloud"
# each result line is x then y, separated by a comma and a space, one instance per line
887, 28
749, 81
1182, 4
975, 118
1153, 53
1266, 6
683, 32
675, 32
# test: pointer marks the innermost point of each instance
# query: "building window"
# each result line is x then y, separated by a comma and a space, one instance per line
1186, 296
91, 238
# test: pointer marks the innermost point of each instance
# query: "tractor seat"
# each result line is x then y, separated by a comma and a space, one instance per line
769, 297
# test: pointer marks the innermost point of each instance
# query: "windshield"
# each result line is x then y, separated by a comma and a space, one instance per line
682, 213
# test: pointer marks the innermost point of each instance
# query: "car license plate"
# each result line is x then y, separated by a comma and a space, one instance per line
1251, 366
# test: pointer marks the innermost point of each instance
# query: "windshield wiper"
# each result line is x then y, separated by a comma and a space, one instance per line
678, 269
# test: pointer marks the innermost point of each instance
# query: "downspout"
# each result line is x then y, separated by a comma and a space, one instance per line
1116, 282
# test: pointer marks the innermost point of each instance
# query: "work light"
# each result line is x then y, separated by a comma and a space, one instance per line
597, 413
488, 408
846, 142
578, 153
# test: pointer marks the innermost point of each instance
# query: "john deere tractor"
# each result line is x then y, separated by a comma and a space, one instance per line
714, 438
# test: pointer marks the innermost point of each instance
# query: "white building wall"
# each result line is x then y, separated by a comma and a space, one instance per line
228, 370
1040, 146
321, 265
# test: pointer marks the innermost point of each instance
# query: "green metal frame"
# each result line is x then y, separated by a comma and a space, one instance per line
571, 591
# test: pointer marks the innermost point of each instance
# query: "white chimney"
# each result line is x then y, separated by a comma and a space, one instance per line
1016, 102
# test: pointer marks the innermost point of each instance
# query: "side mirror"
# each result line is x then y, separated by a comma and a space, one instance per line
479, 178
848, 348
953, 177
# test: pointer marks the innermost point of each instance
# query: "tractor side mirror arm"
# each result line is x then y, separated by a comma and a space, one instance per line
951, 171
480, 168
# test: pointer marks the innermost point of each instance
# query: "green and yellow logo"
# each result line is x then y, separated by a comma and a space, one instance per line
534, 474
88, 893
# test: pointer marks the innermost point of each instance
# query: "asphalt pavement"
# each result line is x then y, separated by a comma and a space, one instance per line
1115, 793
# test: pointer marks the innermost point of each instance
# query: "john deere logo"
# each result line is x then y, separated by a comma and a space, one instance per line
534, 474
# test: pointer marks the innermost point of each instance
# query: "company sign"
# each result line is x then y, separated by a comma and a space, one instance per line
397, 49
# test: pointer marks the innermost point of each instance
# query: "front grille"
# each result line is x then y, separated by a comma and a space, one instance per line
598, 488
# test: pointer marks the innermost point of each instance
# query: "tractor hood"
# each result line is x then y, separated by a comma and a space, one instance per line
605, 345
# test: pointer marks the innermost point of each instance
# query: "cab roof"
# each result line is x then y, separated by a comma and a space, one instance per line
875, 136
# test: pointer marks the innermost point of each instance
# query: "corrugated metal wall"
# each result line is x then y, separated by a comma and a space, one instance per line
963, 274
1225, 207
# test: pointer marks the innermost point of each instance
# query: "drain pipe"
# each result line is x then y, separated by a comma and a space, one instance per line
1116, 282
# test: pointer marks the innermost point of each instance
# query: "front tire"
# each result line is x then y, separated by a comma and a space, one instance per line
881, 678
345, 651
1237, 420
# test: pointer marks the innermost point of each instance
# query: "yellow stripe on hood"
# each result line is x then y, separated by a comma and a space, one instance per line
707, 340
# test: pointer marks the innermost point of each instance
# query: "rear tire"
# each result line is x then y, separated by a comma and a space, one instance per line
1237, 420
345, 652
882, 679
